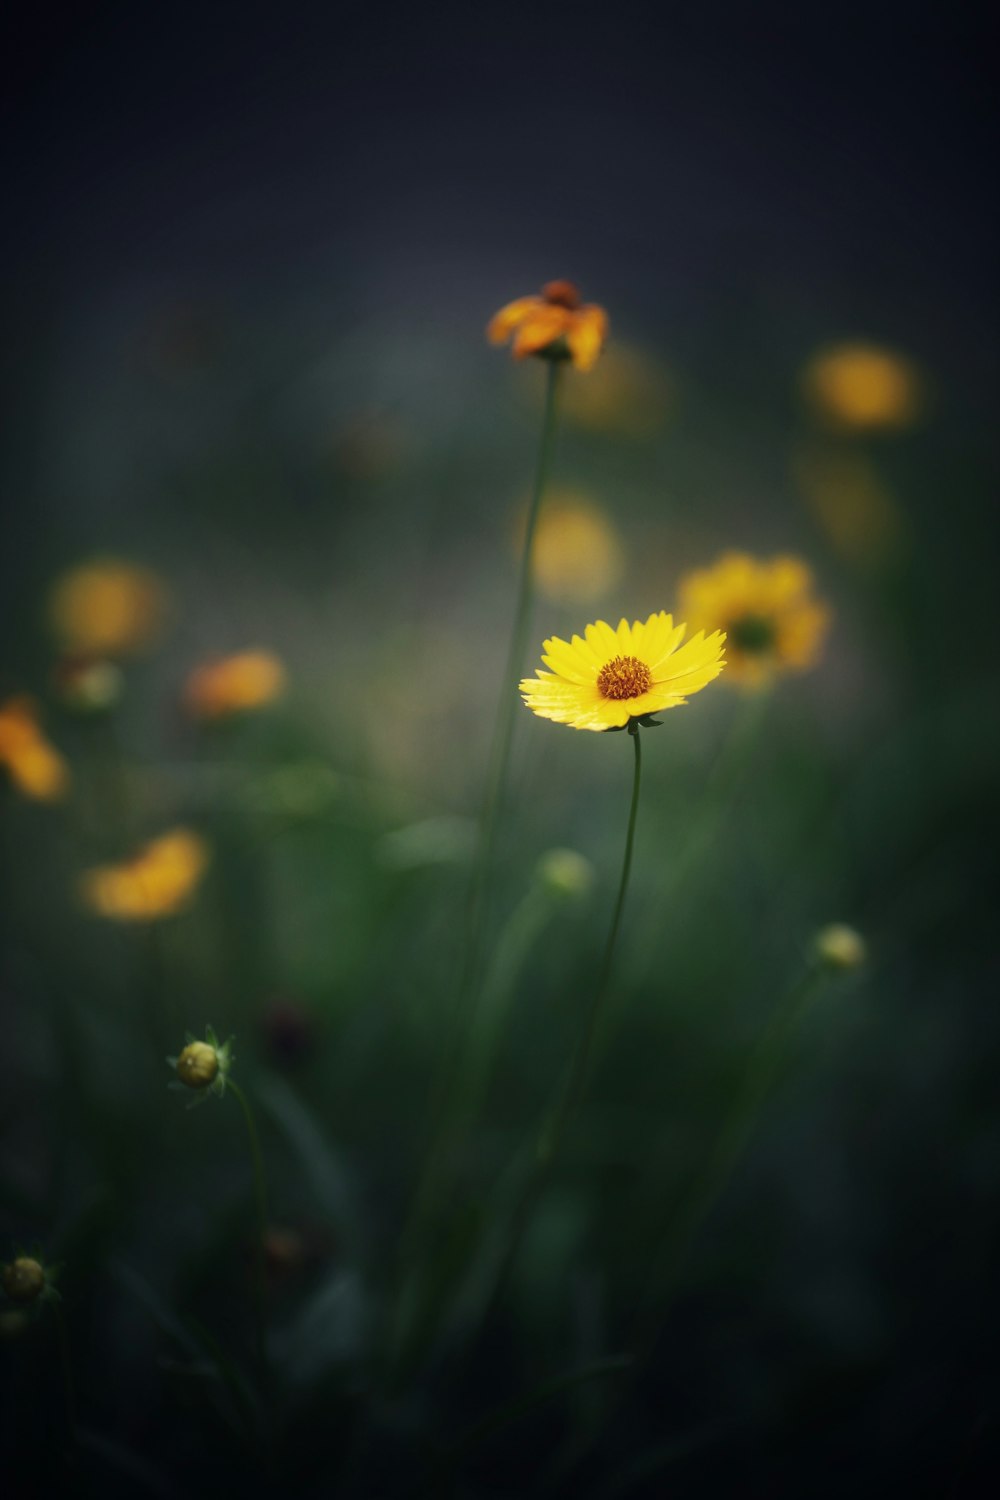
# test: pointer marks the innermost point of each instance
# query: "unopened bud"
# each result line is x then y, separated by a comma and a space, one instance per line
840, 947
198, 1065
24, 1279
566, 873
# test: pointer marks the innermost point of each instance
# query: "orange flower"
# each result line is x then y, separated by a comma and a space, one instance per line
553, 326
248, 680
34, 765
156, 882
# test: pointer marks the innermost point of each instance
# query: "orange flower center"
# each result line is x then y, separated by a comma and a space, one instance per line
624, 677
561, 294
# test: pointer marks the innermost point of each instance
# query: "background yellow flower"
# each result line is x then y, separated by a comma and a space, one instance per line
34, 765
606, 677
578, 555
772, 622
156, 882
107, 608
863, 386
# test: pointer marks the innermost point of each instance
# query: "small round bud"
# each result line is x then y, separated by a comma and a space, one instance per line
840, 947
88, 685
24, 1279
198, 1065
563, 872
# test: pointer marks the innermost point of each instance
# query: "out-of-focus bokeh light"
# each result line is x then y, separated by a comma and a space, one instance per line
32, 763
773, 623
578, 554
629, 393
862, 386
158, 881
236, 684
107, 608
854, 507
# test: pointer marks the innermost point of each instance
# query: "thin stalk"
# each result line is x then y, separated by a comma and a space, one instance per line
260, 1195
551, 1136
449, 1100
503, 733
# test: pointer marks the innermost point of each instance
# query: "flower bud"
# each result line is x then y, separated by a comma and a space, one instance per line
24, 1279
840, 947
198, 1065
563, 872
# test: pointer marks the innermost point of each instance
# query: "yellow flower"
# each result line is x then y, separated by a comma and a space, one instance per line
605, 678
107, 608
35, 766
248, 680
156, 882
772, 622
23, 1279
555, 326
863, 386
577, 553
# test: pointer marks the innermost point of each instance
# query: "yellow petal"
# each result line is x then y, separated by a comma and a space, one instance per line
503, 323
586, 334
542, 326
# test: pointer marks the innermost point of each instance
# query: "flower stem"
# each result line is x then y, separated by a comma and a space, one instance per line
551, 1136
260, 1194
503, 733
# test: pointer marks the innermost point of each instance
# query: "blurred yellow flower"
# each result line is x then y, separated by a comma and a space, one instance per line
555, 325
630, 394
852, 503
248, 680
156, 882
33, 764
607, 677
107, 608
577, 553
863, 386
772, 622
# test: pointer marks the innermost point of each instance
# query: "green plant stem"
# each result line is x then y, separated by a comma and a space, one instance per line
551, 1135
260, 1195
503, 733
451, 1095
680, 1233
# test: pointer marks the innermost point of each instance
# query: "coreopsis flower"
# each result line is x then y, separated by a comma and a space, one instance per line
556, 325
235, 684
773, 623
107, 608
840, 947
606, 679
203, 1066
159, 880
863, 387
577, 554
33, 764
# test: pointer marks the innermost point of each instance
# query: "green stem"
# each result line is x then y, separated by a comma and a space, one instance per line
503, 733
260, 1194
552, 1133
449, 1098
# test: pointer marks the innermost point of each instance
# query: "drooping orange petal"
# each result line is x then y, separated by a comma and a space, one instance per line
586, 335
503, 323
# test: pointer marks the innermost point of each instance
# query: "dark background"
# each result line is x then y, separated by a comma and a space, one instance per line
228, 230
